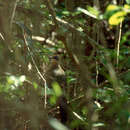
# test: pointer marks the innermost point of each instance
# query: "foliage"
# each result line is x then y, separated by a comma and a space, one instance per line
64, 64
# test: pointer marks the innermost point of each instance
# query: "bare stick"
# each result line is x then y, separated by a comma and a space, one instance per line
13, 13
118, 43
44, 80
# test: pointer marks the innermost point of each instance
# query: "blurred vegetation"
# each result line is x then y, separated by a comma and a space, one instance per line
64, 64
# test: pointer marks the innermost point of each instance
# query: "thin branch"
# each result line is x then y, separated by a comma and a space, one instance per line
2, 36
118, 38
118, 43
44, 80
51, 10
43, 39
13, 13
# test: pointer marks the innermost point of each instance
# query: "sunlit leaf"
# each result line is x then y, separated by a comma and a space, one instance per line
110, 10
57, 89
87, 12
127, 6
11, 79
71, 79
22, 78
129, 119
65, 12
128, 1
98, 124
53, 100
49, 91
35, 85
125, 38
80, 29
112, 7
93, 11
84, 110
57, 125
116, 18
78, 116
14, 80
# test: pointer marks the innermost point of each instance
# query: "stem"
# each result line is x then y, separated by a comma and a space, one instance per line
118, 44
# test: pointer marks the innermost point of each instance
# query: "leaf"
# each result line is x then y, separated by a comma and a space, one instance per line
65, 12
87, 12
127, 6
93, 11
57, 89
110, 10
112, 7
53, 100
71, 79
84, 110
49, 91
57, 125
125, 38
128, 1
98, 124
116, 18
22, 78
35, 85
13, 80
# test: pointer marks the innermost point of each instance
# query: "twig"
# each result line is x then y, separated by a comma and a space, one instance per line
2, 36
119, 31
44, 80
118, 43
43, 39
13, 13
51, 10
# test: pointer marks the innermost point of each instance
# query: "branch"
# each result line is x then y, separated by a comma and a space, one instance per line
13, 13
44, 80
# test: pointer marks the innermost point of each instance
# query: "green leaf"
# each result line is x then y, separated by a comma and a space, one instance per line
70, 79
57, 89
84, 110
35, 85
125, 38
116, 18
87, 12
53, 100
22, 78
127, 6
65, 12
13, 80
110, 10
57, 125
128, 1
49, 91
112, 7
93, 11
98, 124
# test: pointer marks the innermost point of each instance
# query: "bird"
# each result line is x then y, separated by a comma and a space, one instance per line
54, 73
